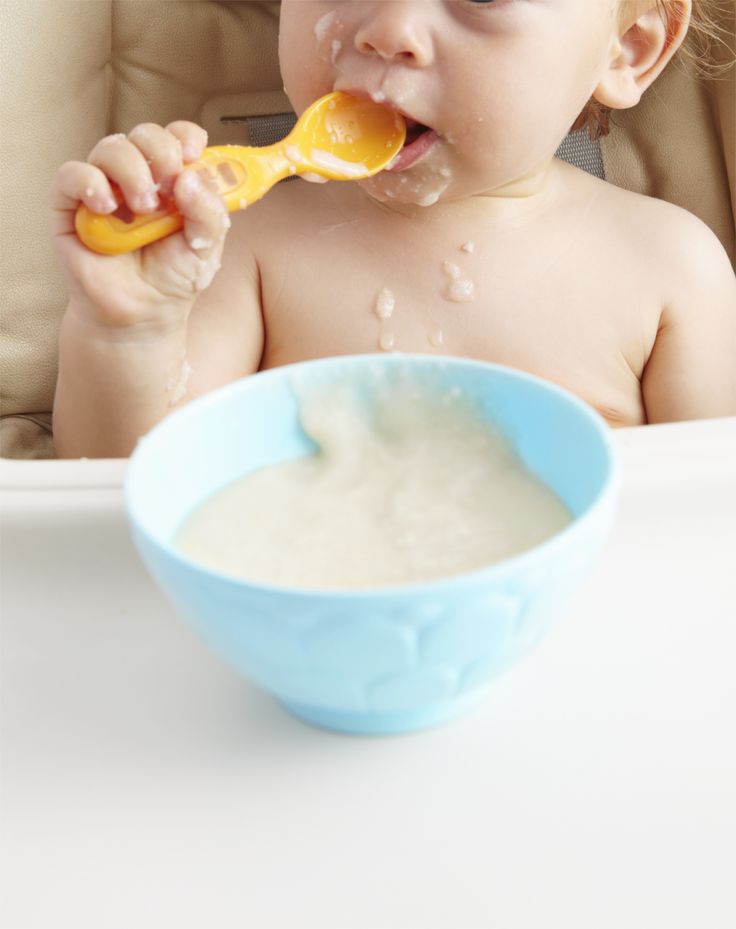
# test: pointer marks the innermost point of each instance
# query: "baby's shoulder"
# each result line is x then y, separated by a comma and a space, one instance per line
647, 230
661, 229
677, 249
672, 258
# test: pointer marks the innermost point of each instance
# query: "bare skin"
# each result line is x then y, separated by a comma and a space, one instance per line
626, 301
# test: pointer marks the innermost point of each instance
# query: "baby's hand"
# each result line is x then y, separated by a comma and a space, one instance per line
158, 283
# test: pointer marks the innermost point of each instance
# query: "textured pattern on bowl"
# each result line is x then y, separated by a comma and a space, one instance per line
381, 660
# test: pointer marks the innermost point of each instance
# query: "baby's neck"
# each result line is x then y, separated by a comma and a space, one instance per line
532, 186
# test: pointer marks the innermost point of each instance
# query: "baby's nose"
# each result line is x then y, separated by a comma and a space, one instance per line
396, 30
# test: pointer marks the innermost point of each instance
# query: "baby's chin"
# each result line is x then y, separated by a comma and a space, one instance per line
420, 185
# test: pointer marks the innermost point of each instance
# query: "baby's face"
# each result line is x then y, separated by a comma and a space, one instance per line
489, 89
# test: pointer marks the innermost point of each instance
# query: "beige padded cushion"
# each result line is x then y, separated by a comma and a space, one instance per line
53, 105
73, 70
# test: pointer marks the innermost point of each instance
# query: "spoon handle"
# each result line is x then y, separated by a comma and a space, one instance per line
338, 137
243, 174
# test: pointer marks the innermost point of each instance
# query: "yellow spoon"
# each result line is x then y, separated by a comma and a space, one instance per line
338, 137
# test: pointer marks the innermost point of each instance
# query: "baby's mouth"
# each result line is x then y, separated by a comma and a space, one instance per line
419, 139
414, 130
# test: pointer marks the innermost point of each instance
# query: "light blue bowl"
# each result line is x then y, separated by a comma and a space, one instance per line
388, 659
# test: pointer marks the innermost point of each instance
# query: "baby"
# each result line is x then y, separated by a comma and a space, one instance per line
477, 241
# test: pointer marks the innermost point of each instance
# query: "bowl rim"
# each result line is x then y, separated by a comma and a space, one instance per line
436, 586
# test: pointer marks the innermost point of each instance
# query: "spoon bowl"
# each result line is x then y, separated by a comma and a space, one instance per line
339, 137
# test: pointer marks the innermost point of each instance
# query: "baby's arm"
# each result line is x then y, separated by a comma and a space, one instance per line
691, 372
146, 331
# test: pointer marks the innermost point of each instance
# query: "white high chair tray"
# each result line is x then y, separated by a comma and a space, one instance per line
145, 784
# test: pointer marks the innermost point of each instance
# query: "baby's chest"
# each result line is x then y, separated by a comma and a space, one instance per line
452, 305
548, 321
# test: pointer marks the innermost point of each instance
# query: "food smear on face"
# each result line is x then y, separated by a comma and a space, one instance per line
422, 184
325, 26
410, 483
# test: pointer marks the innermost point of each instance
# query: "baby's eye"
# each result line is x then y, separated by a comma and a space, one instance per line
479, 4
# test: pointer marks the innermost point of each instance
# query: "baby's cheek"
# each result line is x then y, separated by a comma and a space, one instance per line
304, 83
309, 43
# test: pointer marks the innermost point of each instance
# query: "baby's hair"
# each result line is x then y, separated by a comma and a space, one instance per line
705, 52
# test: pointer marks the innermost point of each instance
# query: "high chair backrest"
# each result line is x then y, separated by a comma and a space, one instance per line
74, 70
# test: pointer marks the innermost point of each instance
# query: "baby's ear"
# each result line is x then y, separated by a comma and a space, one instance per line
647, 41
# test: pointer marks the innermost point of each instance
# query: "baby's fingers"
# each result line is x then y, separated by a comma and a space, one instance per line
162, 152
191, 137
78, 182
125, 164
